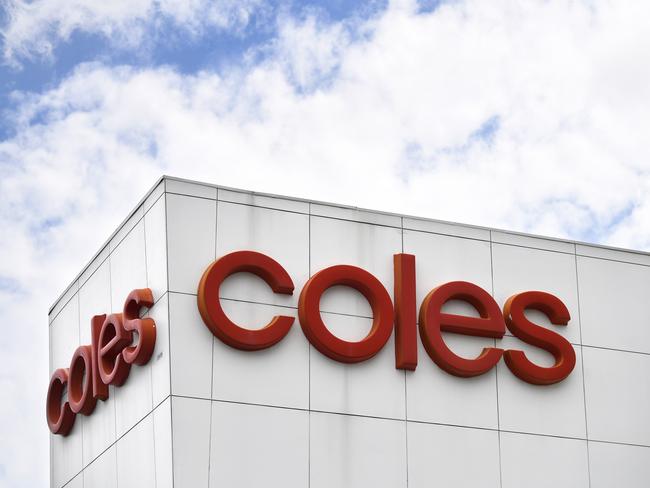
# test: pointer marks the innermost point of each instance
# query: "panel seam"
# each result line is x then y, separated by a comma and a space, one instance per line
169, 332
582, 366
496, 372
406, 404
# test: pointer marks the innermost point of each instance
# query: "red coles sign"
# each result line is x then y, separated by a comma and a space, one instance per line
106, 361
400, 313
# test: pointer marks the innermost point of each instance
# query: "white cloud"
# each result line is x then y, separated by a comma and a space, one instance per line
525, 115
309, 50
34, 28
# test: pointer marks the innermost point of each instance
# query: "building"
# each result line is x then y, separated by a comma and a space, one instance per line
202, 413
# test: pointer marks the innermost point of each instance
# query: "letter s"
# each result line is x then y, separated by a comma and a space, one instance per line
527, 331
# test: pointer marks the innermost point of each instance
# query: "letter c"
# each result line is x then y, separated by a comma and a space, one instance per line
215, 318
60, 417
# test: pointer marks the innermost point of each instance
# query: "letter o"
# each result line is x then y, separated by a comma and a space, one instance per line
319, 335
80, 384
60, 417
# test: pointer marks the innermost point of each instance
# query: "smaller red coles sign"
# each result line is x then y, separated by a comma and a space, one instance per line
106, 361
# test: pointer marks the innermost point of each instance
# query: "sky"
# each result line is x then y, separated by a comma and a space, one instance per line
527, 116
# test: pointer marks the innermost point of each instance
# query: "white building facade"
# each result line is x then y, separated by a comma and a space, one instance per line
201, 413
